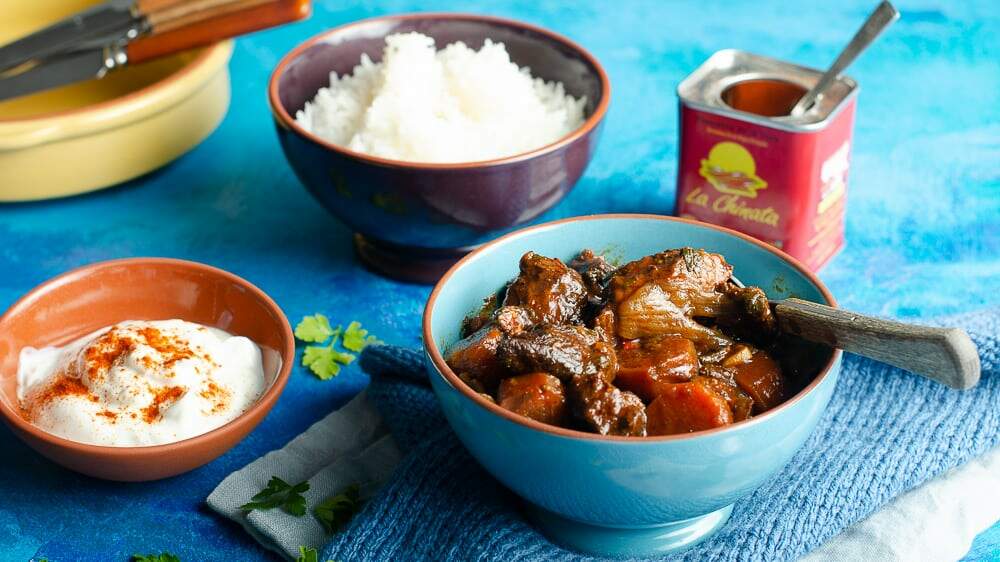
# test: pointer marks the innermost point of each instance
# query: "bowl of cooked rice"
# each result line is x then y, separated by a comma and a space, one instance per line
431, 134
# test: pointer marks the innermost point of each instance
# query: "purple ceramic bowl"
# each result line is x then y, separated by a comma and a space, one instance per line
413, 220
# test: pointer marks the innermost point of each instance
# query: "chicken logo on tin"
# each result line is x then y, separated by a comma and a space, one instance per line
731, 169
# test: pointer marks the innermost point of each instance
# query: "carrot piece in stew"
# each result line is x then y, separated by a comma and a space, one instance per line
758, 375
643, 367
686, 407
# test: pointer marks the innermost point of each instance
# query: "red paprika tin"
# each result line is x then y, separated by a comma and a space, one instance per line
746, 164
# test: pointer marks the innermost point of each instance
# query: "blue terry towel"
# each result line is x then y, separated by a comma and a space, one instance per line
884, 432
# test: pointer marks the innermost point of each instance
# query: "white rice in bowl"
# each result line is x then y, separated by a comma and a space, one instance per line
452, 105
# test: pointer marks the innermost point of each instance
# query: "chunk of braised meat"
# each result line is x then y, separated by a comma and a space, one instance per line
474, 322
595, 271
647, 364
538, 396
662, 294
692, 276
550, 291
687, 407
746, 314
475, 359
562, 351
604, 408
513, 320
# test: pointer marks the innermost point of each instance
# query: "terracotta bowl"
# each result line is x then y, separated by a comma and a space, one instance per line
414, 220
100, 294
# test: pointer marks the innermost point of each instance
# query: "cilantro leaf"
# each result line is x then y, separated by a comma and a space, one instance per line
325, 362
356, 338
279, 493
337, 510
161, 557
315, 329
320, 361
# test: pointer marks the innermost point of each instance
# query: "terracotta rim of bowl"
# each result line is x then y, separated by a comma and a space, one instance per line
264, 403
452, 379
24, 132
589, 124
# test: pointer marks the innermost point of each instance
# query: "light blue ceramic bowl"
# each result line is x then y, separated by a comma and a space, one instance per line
622, 496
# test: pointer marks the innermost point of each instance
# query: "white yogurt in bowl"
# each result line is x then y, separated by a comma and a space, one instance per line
140, 383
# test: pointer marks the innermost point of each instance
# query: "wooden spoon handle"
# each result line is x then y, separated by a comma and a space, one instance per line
945, 355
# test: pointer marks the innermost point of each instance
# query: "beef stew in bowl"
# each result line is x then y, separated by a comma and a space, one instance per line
666, 344
615, 495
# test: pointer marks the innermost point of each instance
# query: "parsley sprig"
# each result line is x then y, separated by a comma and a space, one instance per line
337, 510
279, 493
325, 360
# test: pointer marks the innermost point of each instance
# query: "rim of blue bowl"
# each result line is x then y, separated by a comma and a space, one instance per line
286, 120
443, 370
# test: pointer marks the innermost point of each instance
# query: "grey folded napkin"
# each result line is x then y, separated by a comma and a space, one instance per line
349, 446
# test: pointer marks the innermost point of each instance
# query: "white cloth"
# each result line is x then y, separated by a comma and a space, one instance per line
934, 522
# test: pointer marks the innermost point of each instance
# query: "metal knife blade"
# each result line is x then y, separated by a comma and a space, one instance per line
109, 21
60, 70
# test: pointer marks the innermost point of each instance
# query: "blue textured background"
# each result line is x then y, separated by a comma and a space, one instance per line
923, 219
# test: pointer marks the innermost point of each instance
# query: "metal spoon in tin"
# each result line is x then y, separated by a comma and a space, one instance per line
945, 355
877, 22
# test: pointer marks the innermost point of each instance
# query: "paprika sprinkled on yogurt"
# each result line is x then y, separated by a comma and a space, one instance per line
140, 383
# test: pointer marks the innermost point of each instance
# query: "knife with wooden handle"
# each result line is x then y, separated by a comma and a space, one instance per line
215, 24
162, 27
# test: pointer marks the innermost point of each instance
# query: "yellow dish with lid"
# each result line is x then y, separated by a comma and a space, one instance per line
95, 134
